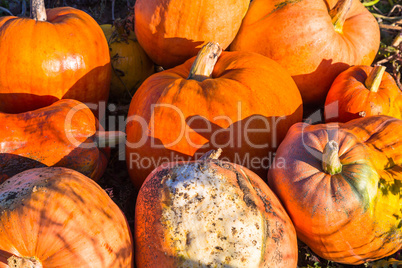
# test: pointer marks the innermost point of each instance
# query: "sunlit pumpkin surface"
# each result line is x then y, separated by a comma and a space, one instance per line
66, 56
61, 134
63, 219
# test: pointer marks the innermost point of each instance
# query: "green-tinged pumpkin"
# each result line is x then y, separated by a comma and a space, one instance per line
244, 104
59, 53
130, 64
211, 213
342, 187
363, 91
64, 134
57, 217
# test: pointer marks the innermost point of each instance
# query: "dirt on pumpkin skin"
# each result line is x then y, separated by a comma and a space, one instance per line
116, 180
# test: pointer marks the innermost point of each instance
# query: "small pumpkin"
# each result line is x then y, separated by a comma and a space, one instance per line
244, 104
64, 134
314, 40
363, 91
172, 32
57, 53
342, 187
211, 213
57, 217
130, 64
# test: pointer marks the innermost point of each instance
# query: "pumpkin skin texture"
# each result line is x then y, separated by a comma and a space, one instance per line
349, 98
61, 134
65, 57
210, 212
173, 31
64, 220
349, 217
245, 108
300, 36
130, 64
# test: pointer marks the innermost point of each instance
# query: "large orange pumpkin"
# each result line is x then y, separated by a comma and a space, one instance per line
62, 134
211, 213
60, 53
363, 91
57, 217
342, 187
172, 31
312, 39
244, 104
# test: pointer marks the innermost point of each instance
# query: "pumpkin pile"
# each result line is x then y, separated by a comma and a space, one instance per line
227, 163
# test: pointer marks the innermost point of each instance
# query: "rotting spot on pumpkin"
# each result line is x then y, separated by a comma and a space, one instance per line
11, 196
234, 231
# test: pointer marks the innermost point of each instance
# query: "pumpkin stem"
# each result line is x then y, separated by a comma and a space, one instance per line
397, 40
205, 62
24, 262
109, 138
338, 14
373, 81
330, 159
38, 10
212, 154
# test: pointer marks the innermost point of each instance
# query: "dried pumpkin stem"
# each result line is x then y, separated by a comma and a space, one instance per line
330, 159
109, 138
24, 262
339, 13
373, 81
212, 154
205, 62
397, 40
38, 10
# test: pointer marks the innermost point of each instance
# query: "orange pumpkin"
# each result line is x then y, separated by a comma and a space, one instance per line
62, 134
314, 40
342, 187
57, 217
60, 53
244, 104
363, 91
211, 213
172, 31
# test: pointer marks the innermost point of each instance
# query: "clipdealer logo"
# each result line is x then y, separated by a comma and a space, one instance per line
237, 135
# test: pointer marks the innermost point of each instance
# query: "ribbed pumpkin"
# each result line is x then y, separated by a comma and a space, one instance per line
62, 134
211, 213
363, 91
173, 31
314, 40
57, 217
57, 53
244, 104
131, 65
341, 186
